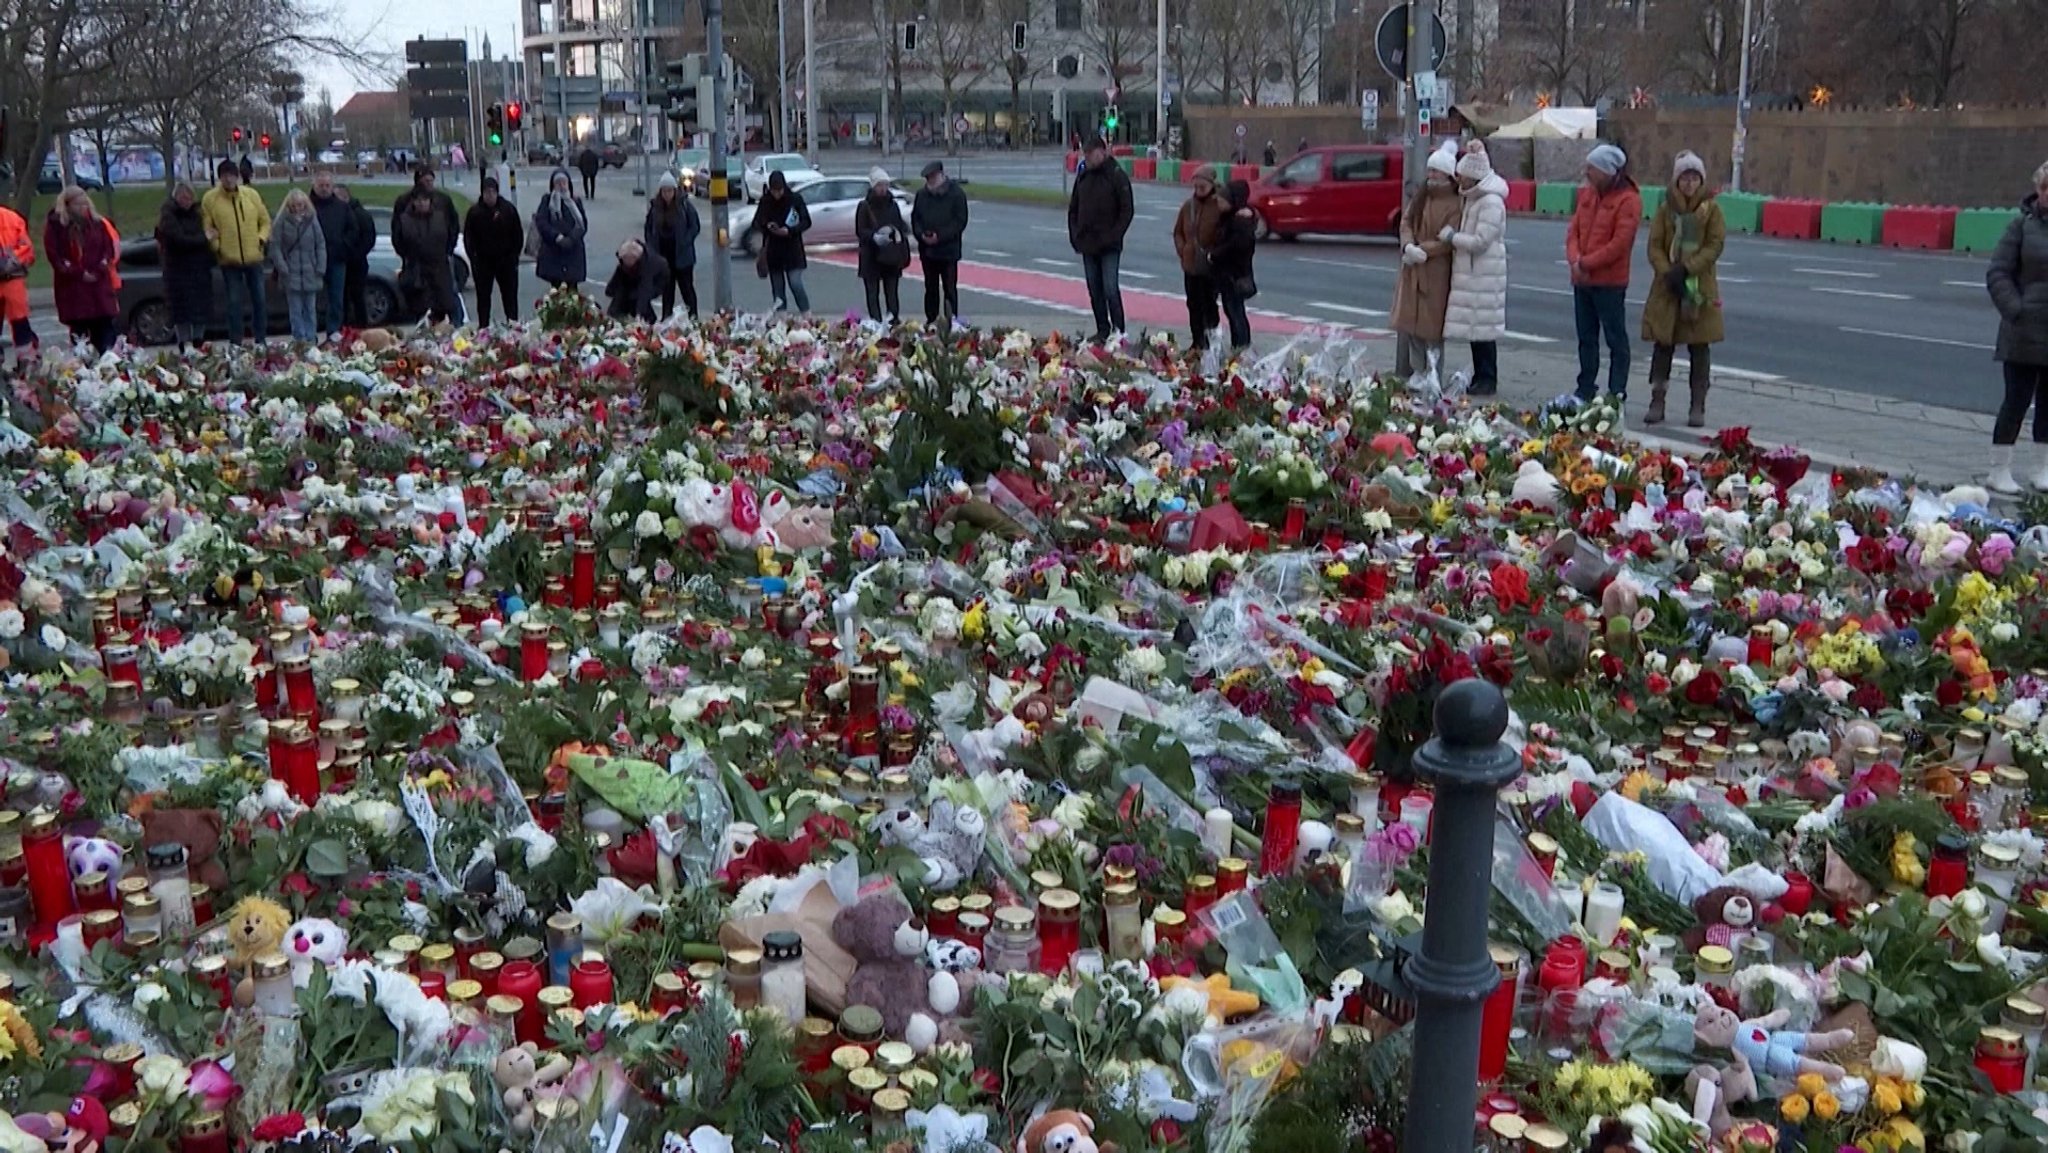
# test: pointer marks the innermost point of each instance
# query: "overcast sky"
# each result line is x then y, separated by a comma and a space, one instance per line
383, 26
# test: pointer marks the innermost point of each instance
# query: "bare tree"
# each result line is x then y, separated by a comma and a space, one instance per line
888, 19
1119, 36
1697, 43
1228, 38
49, 50
1019, 68
957, 40
1301, 30
1572, 49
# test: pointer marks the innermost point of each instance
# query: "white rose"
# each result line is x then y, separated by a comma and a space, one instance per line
2002, 631
54, 638
149, 993
11, 623
753, 658
647, 524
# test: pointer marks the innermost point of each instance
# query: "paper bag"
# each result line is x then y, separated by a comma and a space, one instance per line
827, 967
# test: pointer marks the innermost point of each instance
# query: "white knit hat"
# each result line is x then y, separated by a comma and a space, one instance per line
877, 176
1475, 165
1688, 162
1444, 159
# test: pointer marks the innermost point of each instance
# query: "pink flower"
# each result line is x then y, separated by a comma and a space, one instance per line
213, 1084
1993, 554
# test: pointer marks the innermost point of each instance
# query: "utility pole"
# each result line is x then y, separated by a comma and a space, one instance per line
643, 37
1159, 54
721, 220
1420, 55
810, 79
781, 77
1451, 977
1742, 102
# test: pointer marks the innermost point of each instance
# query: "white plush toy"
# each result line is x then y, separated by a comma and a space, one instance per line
1534, 484
310, 940
949, 843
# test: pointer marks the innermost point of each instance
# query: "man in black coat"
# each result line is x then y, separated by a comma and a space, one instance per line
1098, 216
588, 163
634, 291
355, 307
248, 169
337, 227
494, 237
939, 219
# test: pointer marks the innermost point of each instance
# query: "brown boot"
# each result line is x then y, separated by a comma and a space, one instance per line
1656, 413
1696, 416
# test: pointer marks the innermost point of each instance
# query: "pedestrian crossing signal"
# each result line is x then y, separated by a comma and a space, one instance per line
496, 122
264, 140
512, 116
1111, 118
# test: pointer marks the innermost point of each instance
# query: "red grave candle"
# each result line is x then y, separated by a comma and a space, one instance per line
522, 979
590, 980
583, 575
49, 881
1282, 831
533, 650
1948, 872
298, 687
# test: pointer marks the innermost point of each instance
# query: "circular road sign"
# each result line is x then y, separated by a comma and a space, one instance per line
1390, 42
1240, 132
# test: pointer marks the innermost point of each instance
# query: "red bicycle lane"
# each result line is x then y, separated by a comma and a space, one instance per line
1143, 308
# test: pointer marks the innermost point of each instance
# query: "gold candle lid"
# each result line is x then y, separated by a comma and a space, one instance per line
504, 1005
894, 1056
891, 1101
849, 1058
464, 990
272, 965
867, 1080
556, 997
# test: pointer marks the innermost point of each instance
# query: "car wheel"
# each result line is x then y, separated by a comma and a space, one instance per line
151, 323
380, 304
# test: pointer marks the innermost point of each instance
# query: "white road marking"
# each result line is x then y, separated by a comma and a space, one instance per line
1680, 362
1049, 262
1919, 339
1964, 283
1145, 216
1541, 289
1837, 272
1048, 228
1862, 293
991, 252
1137, 275
1350, 308
1348, 266
1529, 338
1737, 280
1802, 252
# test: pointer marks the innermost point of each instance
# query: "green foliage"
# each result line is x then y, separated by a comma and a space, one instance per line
945, 422
682, 388
1349, 1090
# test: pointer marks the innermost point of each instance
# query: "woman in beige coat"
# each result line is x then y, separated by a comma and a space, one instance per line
1422, 295
1684, 302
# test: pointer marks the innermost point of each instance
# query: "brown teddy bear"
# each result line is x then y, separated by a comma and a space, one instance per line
1724, 913
200, 831
256, 925
1062, 1131
523, 1079
887, 944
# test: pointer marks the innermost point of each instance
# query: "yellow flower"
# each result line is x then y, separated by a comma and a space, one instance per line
1906, 1134
1913, 1095
1793, 1109
1886, 1098
1633, 785
6, 1045
1337, 571
1825, 1106
1812, 1084
974, 624
1532, 447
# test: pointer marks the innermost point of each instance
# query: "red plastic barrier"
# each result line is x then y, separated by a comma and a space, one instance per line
1793, 219
1919, 226
1521, 196
1245, 172
1144, 168
1122, 150
1073, 162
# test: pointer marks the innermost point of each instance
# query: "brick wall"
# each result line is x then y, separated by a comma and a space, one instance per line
1972, 157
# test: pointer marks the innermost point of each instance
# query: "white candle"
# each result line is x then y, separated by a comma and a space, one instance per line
1415, 810
1365, 803
1603, 913
1216, 827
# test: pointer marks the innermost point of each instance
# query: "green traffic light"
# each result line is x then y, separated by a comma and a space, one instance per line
496, 139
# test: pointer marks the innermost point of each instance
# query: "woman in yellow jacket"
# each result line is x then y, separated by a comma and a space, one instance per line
16, 255
238, 227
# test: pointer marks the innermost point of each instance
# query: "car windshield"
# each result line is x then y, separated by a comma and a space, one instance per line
789, 162
693, 157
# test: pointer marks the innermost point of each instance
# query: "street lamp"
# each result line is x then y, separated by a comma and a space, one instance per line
1742, 101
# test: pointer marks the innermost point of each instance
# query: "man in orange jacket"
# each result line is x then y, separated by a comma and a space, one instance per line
1600, 247
16, 255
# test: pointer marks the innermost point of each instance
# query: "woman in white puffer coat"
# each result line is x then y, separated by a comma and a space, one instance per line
1478, 311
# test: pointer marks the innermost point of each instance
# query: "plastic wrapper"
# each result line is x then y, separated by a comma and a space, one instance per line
377, 589
1240, 1069
1657, 1037
1517, 877
1624, 826
1254, 959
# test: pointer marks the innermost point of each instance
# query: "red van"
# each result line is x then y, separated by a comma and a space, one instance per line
1345, 188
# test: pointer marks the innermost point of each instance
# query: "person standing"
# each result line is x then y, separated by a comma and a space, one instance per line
1684, 305
298, 255
247, 170
238, 226
1237, 241
1422, 294
83, 253
939, 218
588, 163
1197, 229
1478, 309
884, 249
561, 224
1272, 155
1599, 248
362, 241
17, 256
494, 239
1098, 215
2018, 282
671, 233
338, 229
637, 282
188, 264
423, 236
782, 218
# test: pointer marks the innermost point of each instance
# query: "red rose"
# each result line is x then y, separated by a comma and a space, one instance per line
1704, 689
1164, 1131
279, 1126
1948, 694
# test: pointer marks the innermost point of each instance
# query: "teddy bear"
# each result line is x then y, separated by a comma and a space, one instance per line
524, 1078
94, 855
310, 940
1725, 914
256, 925
1062, 1131
200, 831
949, 842
1759, 1050
888, 947
802, 528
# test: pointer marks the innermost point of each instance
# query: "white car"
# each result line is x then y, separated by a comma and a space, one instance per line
368, 158
792, 165
831, 201
330, 156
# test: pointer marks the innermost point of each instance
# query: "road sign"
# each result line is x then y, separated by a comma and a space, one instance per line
1240, 132
963, 126
454, 52
1369, 110
1390, 42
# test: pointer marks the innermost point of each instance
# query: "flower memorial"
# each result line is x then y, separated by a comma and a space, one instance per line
711, 738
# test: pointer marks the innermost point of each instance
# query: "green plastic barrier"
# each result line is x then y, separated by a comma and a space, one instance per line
1653, 199
1742, 211
1169, 172
1556, 199
1852, 223
1125, 162
1222, 168
1979, 229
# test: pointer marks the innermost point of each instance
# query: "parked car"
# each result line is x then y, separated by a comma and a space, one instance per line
613, 155
831, 200
792, 165
369, 158
382, 216
692, 167
543, 154
148, 313
1352, 189
331, 156
50, 181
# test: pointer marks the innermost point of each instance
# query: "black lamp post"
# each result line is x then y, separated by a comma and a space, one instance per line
1468, 764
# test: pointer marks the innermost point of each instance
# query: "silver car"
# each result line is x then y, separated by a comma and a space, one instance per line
792, 165
831, 199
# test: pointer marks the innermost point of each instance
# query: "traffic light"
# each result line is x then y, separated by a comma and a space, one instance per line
496, 119
512, 116
1017, 37
910, 35
236, 135
264, 140
1110, 119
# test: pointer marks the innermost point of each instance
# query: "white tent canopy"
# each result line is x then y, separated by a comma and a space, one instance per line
1554, 124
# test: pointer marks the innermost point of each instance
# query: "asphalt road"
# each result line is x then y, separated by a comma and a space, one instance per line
1889, 323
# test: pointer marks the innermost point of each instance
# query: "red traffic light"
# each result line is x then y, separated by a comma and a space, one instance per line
237, 135
264, 140
512, 115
